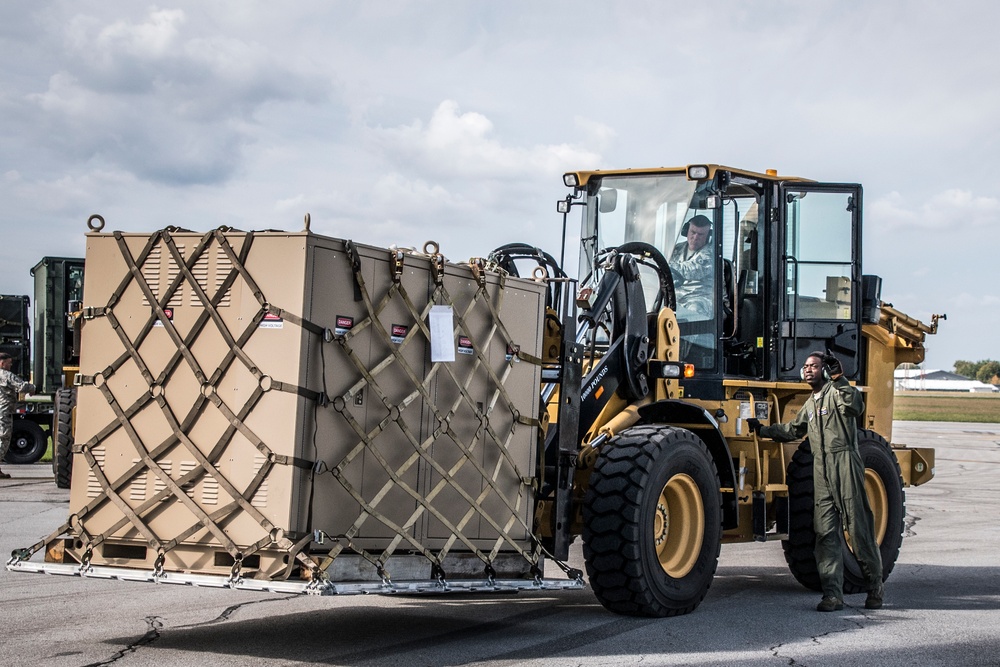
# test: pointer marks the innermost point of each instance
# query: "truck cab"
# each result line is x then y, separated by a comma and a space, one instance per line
785, 275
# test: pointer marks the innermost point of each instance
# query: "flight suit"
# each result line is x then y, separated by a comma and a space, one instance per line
829, 418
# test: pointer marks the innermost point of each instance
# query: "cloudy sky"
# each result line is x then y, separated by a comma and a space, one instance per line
393, 121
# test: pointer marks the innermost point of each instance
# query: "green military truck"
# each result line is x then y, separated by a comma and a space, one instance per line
44, 351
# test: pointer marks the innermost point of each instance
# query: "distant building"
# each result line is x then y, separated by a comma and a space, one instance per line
917, 379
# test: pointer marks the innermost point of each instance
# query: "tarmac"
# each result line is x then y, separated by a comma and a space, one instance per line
942, 602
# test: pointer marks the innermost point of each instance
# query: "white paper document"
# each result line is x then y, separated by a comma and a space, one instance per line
441, 322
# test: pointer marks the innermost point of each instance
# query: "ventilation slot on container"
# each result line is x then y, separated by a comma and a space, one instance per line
260, 497
137, 489
203, 274
126, 551
151, 274
93, 486
186, 467
159, 485
223, 559
210, 489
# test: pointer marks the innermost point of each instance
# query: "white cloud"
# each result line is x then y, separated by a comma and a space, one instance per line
151, 38
595, 134
165, 104
456, 144
65, 96
967, 300
951, 209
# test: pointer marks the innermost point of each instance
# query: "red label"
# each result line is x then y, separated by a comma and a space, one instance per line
169, 312
399, 330
271, 317
344, 324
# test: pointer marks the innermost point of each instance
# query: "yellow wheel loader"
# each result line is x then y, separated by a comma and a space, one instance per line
292, 412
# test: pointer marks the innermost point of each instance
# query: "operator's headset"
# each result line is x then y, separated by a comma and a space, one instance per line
687, 225
826, 367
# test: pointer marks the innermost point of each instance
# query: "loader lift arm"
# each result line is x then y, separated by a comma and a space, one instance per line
618, 307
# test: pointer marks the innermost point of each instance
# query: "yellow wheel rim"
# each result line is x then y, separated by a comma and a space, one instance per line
879, 501
679, 526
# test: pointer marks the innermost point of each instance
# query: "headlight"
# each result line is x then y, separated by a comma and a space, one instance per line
562, 206
571, 180
668, 370
697, 172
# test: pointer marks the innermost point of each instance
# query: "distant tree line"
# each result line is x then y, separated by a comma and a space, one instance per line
987, 370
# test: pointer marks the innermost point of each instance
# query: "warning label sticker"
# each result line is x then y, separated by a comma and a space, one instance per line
271, 321
398, 333
465, 345
169, 312
344, 324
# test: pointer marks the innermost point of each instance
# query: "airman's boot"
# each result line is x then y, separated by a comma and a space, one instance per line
874, 599
830, 604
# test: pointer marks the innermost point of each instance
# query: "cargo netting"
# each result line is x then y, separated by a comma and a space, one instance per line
425, 422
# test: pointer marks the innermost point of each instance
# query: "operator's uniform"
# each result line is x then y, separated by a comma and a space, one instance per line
694, 281
10, 387
829, 419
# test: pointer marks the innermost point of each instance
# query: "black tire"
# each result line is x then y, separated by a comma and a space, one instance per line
62, 436
647, 480
28, 443
884, 485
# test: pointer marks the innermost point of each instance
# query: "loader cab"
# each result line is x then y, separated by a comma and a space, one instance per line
776, 275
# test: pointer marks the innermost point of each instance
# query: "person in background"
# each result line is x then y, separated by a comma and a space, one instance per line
10, 387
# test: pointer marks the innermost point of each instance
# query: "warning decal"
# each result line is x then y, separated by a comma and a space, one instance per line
169, 312
271, 321
398, 333
465, 345
344, 324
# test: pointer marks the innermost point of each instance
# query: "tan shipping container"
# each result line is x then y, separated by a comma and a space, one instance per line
282, 396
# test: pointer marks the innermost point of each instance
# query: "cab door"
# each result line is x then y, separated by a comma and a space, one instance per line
820, 275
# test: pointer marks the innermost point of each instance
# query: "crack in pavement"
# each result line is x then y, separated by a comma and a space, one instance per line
776, 649
154, 624
229, 611
155, 629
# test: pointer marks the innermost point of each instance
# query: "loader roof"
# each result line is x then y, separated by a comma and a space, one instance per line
584, 176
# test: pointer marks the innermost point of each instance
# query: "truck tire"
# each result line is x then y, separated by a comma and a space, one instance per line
28, 443
652, 522
62, 436
884, 485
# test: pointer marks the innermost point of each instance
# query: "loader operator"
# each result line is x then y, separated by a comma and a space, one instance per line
10, 387
829, 419
692, 264
694, 269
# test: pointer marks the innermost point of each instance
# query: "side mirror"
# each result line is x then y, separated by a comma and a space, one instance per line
608, 198
871, 298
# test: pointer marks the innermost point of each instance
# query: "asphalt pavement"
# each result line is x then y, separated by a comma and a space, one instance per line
942, 601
